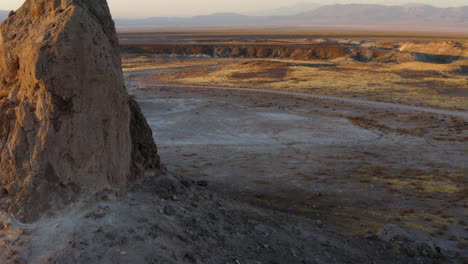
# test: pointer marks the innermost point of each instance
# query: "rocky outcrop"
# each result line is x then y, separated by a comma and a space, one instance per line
321, 51
281, 51
67, 124
447, 48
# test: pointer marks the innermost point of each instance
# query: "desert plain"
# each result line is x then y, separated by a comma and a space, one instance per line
353, 130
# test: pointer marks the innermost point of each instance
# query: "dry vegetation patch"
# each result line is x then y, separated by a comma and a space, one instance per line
132, 63
438, 85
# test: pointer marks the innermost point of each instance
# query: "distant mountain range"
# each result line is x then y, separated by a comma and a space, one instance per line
379, 15
287, 10
364, 16
3, 15
351, 16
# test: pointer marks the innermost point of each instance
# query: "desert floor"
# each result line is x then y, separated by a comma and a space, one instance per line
348, 165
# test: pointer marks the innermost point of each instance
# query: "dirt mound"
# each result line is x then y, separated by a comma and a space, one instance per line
447, 48
67, 124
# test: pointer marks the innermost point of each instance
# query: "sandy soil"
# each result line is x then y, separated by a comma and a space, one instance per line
179, 221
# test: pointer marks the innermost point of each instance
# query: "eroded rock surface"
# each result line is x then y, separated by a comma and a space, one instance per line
67, 124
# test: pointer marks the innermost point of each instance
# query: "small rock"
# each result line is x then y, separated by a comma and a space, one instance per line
169, 210
392, 232
190, 258
168, 187
186, 183
202, 183
99, 213
3, 193
370, 235
319, 223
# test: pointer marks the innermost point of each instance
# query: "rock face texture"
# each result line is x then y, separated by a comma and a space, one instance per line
67, 124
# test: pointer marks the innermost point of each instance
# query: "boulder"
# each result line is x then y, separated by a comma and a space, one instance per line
67, 123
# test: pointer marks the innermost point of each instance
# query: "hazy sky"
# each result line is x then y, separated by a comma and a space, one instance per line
146, 8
